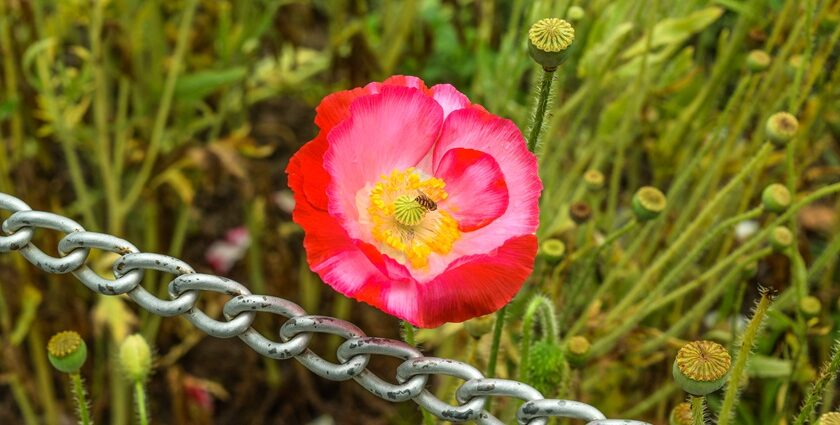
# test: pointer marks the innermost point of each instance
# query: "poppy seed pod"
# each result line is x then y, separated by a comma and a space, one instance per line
758, 60
681, 415
548, 40
781, 238
701, 367
781, 127
577, 350
830, 418
552, 250
67, 351
594, 180
580, 212
776, 198
648, 203
810, 306
576, 13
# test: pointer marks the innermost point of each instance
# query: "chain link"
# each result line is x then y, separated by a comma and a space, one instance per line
295, 334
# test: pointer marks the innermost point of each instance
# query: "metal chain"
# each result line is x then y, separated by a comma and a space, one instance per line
295, 334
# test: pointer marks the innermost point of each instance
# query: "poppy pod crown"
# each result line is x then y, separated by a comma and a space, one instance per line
416, 201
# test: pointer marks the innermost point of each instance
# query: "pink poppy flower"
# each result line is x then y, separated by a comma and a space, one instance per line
416, 201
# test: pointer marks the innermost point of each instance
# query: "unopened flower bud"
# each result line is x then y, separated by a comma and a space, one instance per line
547, 367
552, 250
830, 418
758, 60
701, 367
681, 415
594, 180
67, 351
781, 238
577, 350
548, 40
576, 13
776, 198
480, 326
810, 306
781, 127
136, 357
648, 203
580, 212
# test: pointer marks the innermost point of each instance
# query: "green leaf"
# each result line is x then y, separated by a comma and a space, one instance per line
768, 367
676, 30
200, 84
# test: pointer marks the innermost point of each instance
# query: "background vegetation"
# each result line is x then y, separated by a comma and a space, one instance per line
170, 123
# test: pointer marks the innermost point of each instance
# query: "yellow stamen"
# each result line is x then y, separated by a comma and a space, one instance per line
405, 225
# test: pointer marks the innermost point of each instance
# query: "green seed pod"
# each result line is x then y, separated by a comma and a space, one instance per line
136, 357
552, 250
701, 367
810, 306
781, 127
576, 13
648, 202
681, 415
480, 326
758, 60
577, 350
781, 238
547, 367
594, 180
580, 212
67, 351
776, 198
830, 418
548, 40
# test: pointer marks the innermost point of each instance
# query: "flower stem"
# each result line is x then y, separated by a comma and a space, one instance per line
697, 410
408, 334
140, 399
815, 394
540, 111
80, 396
497, 339
747, 341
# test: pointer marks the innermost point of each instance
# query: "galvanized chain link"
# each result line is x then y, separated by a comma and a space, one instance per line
295, 334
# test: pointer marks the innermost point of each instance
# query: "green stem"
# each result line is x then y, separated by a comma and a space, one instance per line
815, 394
540, 111
22, 400
409, 338
688, 234
140, 399
541, 305
162, 112
80, 396
497, 339
698, 413
734, 380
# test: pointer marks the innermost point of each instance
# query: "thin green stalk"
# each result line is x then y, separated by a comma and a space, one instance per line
539, 304
815, 394
80, 397
100, 115
747, 342
497, 339
409, 338
540, 110
140, 399
607, 342
22, 400
162, 112
658, 396
698, 410
688, 234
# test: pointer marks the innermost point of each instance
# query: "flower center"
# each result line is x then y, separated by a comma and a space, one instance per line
406, 219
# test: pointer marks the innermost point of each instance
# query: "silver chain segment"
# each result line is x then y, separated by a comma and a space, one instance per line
295, 334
